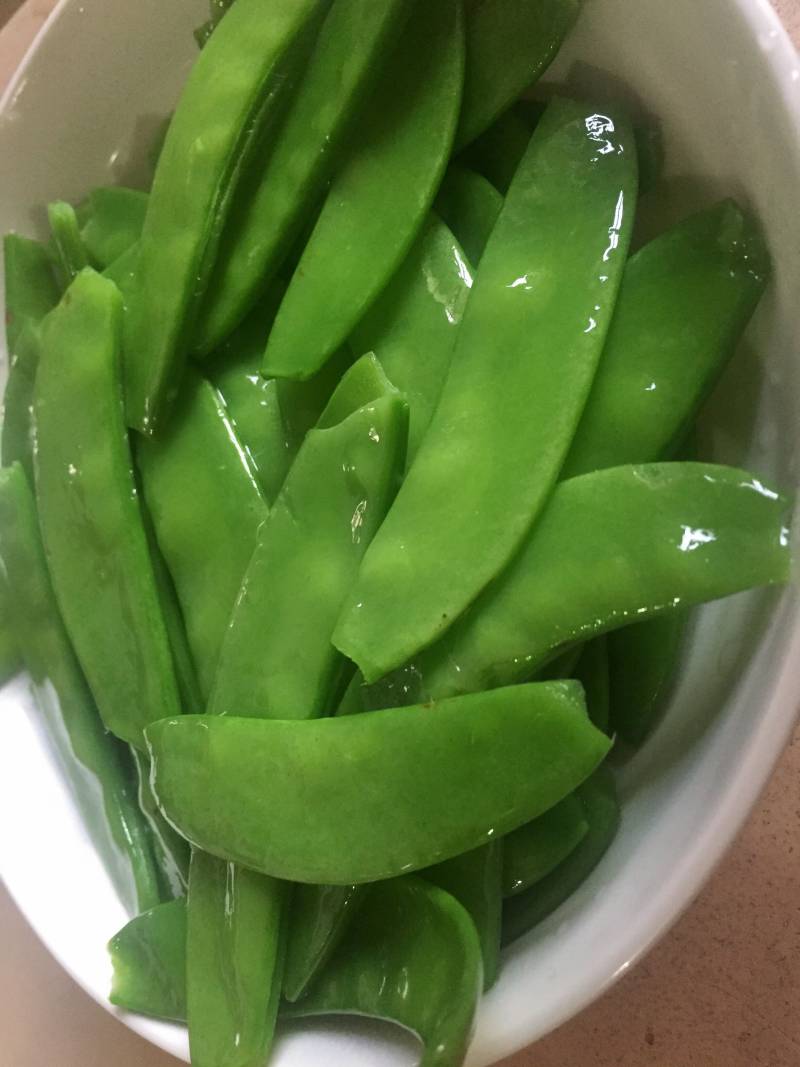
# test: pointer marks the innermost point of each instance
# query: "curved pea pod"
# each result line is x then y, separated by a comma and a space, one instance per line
470, 206
235, 943
533, 851
379, 198
320, 917
17, 433
497, 153
10, 662
412, 327
148, 956
473, 879
271, 206
525, 357
614, 547
277, 660
115, 222
93, 762
170, 850
479, 766
70, 252
183, 661
642, 664
685, 300
235, 92
206, 507
510, 44
30, 285
90, 515
592, 670
412, 958
598, 795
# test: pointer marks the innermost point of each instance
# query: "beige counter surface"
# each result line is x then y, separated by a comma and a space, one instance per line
721, 990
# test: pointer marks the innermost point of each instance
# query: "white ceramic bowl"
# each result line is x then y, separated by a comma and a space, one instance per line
724, 78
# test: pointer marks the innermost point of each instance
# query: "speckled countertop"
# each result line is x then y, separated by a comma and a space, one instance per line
721, 990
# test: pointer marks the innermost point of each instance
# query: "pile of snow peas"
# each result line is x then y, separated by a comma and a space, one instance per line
351, 508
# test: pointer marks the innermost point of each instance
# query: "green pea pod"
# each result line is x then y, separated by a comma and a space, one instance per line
533, 851
480, 767
17, 433
412, 958
30, 285
235, 944
598, 795
510, 44
320, 917
148, 956
705, 275
412, 327
472, 879
91, 519
592, 671
183, 661
613, 547
234, 95
206, 508
10, 662
308, 552
122, 272
116, 219
642, 664
524, 361
70, 252
92, 761
498, 152
380, 197
470, 205
171, 851
271, 207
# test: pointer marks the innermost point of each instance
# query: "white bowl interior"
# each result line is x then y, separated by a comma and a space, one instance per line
724, 80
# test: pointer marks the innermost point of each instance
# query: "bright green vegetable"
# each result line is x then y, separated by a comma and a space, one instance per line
116, 219
413, 958
598, 795
480, 766
498, 152
233, 97
533, 851
170, 850
206, 508
320, 917
510, 44
380, 197
525, 358
10, 662
235, 944
70, 251
470, 206
30, 285
17, 434
272, 205
613, 547
93, 762
90, 515
149, 960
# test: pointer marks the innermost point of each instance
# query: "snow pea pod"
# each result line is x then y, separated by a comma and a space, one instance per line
170, 850
525, 357
271, 206
412, 327
642, 664
10, 662
598, 795
479, 767
234, 94
498, 152
379, 198
17, 432
309, 548
320, 917
30, 285
148, 956
470, 206
615, 546
92, 761
412, 958
685, 300
533, 851
472, 879
510, 44
116, 219
234, 947
70, 252
91, 519
206, 508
